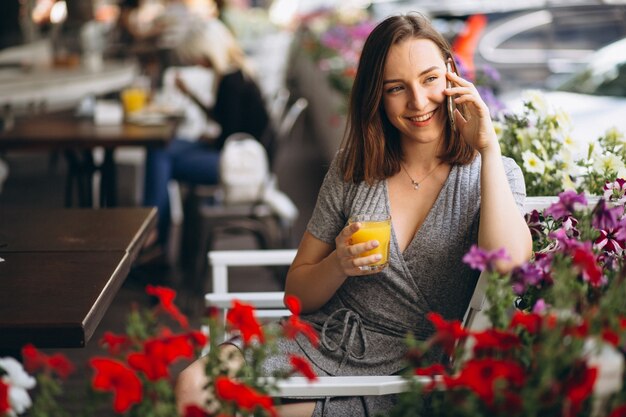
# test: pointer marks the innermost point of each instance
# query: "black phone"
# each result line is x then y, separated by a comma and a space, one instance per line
451, 104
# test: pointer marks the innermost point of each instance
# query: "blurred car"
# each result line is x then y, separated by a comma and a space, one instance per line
530, 48
593, 97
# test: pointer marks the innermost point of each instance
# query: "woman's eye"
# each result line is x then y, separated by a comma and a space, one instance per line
394, 89
431, 79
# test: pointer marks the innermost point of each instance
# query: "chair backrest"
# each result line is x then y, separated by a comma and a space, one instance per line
290, 118
277, 105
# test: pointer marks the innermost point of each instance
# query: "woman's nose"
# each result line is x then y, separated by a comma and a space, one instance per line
418, 99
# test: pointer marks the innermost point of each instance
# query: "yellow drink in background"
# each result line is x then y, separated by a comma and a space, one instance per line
134, 99
373, 227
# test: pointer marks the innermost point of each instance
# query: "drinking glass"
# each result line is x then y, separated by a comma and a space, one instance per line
373, 227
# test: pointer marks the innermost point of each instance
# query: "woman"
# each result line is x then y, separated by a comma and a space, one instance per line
445, 190
239, 107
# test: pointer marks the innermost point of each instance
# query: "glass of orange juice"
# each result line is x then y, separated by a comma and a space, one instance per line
373, 227
134, 99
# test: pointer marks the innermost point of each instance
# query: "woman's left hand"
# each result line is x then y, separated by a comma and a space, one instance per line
476, 127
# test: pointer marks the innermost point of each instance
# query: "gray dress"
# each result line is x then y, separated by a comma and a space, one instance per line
363, 326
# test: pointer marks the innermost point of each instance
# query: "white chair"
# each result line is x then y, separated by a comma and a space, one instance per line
270, 305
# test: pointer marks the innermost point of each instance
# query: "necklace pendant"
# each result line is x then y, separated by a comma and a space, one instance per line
416, 185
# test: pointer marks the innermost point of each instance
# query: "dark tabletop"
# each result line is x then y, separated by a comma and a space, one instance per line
62, 268
64, 130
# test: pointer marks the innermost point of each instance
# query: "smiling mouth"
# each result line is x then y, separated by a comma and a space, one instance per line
422, 118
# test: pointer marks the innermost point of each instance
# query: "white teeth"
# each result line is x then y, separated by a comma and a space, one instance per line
422, 118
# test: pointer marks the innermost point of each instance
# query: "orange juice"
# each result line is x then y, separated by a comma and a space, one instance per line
374, 227
134, 99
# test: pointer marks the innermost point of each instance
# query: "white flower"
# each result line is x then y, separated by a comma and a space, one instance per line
566, 181
19, 381
532, 163
537, 99
608, 162
570, 143
563, 119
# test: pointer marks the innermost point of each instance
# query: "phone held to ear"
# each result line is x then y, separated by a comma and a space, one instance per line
451, 105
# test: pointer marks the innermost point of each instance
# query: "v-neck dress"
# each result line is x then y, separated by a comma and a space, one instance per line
363, 327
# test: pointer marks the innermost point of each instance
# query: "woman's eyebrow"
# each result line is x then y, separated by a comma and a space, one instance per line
426, 71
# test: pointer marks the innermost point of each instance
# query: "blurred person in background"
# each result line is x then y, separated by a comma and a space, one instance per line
238, 107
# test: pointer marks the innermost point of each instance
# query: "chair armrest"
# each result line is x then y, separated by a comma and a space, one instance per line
257, 299
260, 257
221, 260
342, 386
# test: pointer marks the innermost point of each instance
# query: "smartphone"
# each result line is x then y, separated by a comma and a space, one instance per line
451, 105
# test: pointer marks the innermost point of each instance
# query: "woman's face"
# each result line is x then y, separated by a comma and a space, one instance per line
413, 83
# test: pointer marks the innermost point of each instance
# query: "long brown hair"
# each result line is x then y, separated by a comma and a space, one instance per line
371, 146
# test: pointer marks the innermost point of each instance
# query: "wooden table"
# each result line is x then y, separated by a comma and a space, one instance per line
62, 269
76, 137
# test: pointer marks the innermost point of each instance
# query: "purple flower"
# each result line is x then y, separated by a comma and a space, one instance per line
491, 73
608, 242
605, 218
482, 260
535, 225
569, 225
540, 306
565, 243
615, 191
493, 103
565, 206
527, 275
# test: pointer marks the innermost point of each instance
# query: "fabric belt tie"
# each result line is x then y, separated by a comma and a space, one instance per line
350, 327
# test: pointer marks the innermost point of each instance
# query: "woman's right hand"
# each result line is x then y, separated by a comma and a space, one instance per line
348, 254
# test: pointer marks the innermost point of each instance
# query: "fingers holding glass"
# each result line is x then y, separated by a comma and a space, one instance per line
370, 243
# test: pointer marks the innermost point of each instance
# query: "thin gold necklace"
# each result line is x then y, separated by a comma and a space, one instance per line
416, 184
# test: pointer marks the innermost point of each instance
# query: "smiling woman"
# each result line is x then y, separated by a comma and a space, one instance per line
467, 194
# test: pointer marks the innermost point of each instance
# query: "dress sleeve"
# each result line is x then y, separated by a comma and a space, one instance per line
516, 182
329, 215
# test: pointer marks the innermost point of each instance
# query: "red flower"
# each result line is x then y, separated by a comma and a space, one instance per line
166, 298
586, 261
195, 411
480, 376
579, 385
619, 411
448, 332
158, 354
432, 371
293, 304
112, 375
495, 339
611, 337
245, 397
303, 366
294, 326
115, 344
581, 330
5, 407
241, 317
35, 360
531, 322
